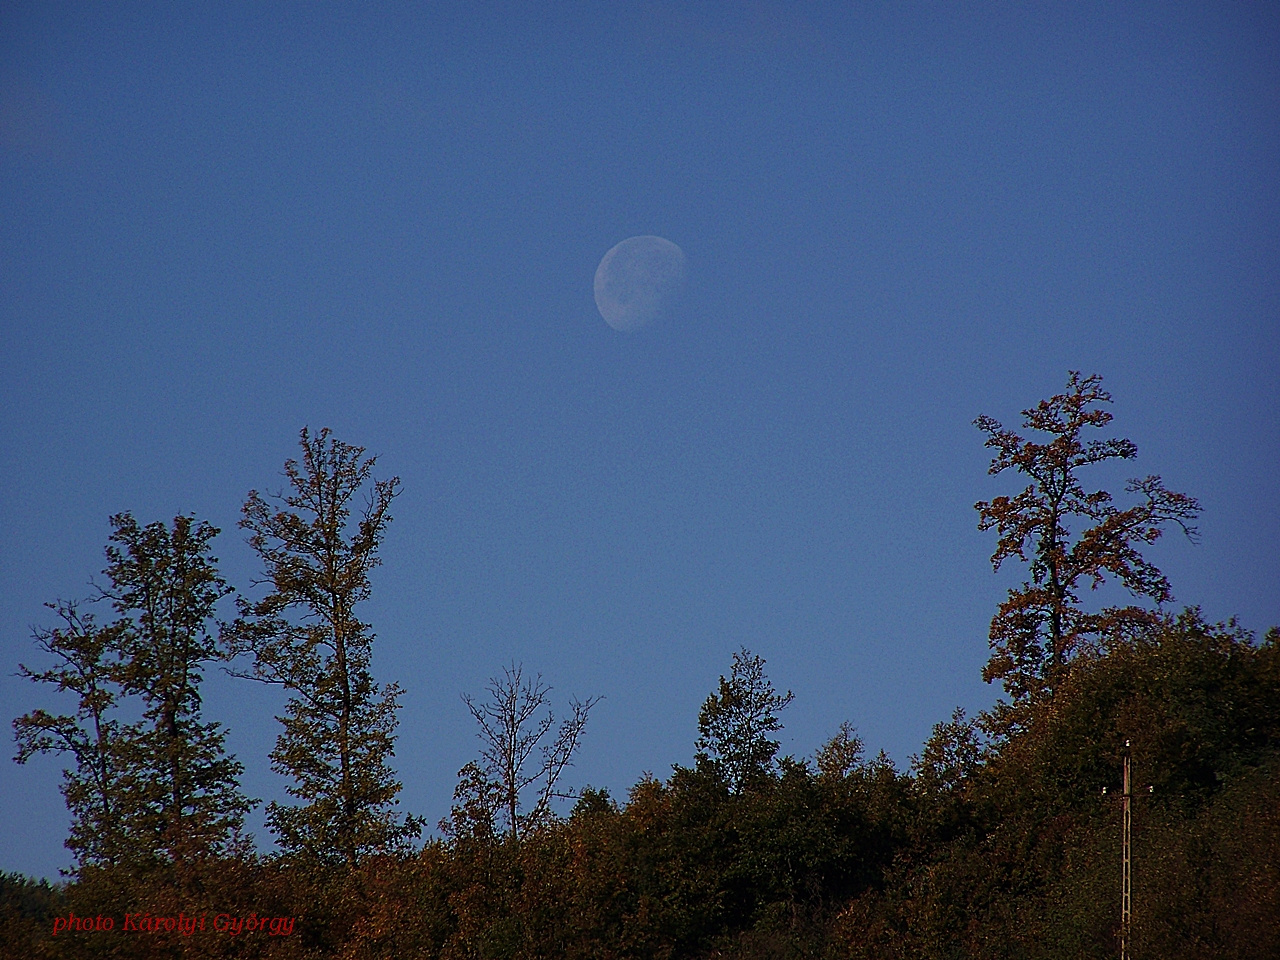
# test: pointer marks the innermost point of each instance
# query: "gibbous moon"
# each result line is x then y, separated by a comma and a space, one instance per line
639, 281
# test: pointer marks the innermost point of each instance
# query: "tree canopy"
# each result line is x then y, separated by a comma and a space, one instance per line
735, 722
1000, 841
161, 787
1043, 623
305, 635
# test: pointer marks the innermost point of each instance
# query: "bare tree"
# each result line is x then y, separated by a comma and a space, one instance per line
518, 761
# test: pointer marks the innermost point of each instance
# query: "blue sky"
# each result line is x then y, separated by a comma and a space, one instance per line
220, 225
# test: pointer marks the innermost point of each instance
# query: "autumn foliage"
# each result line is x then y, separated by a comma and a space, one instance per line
1001, 840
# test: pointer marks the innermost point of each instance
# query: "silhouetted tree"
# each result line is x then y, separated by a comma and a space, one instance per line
734, 724
305, 635
1040, 626
163, 784
840, 756
516, 754
98, 789
165, 585
950, 755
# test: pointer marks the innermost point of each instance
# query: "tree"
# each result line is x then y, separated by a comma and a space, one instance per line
734, 724
162, 785
165, 586
514, 724
840, 756
1042, 624
95, 791
950, 755
305, 636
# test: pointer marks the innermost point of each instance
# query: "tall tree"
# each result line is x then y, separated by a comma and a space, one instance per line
734, 724
305, 635
163, 786
1042, 624
165, 585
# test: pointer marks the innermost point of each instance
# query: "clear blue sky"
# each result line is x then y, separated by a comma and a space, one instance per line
220, 225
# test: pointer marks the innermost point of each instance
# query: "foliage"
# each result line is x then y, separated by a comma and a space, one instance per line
1001, 842
99, 790
734, 724
165, 586
1018, 856
26, 911
987, 849
1041, 626
305, 635
161, 787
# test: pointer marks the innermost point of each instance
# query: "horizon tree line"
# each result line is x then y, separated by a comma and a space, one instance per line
161, 789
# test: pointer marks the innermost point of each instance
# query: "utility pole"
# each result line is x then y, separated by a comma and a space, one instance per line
1125, 902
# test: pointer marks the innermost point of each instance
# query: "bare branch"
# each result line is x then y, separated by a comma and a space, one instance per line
514, 724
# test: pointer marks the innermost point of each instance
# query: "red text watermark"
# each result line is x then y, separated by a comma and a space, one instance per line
186, 925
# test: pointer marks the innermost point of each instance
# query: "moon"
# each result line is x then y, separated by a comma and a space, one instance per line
639, 281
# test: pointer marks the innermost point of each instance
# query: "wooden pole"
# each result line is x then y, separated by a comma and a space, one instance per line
1126, 911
